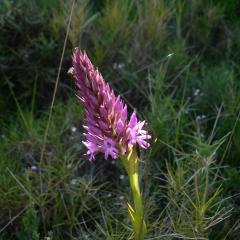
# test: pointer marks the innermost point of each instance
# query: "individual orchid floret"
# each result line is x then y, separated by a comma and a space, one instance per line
107, 127
136, 134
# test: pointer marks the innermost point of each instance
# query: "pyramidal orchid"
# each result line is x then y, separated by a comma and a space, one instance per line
108, 129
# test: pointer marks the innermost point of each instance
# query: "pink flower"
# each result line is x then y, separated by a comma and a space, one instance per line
107, 127
136, 134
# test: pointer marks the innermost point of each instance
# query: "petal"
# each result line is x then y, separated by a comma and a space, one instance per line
140, 125
133, 120
120, 127
124, 114
92, 147
106, 153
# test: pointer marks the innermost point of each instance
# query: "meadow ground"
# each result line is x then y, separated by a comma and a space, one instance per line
176, 63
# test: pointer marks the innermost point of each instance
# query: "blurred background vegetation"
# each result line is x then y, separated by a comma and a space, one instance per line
176, 62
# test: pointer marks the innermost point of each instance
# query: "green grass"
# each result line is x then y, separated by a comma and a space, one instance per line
176, 62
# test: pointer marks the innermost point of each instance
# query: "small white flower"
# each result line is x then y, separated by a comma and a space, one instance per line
73, 129
69, 166
34, 168
109, 194
169, 55
202, 135
196, 92
121, 197
121, 176
74, 181
198, 118
118, 65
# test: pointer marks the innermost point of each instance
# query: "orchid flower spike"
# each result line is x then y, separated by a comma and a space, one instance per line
108, 130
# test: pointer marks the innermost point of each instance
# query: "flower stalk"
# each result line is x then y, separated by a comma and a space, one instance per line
131, 162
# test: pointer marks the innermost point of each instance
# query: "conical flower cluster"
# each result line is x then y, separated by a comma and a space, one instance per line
107, 127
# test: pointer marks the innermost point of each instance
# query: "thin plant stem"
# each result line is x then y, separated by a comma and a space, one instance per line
54, 97
131, 165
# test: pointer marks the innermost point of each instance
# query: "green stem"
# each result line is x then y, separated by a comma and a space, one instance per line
130, 162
